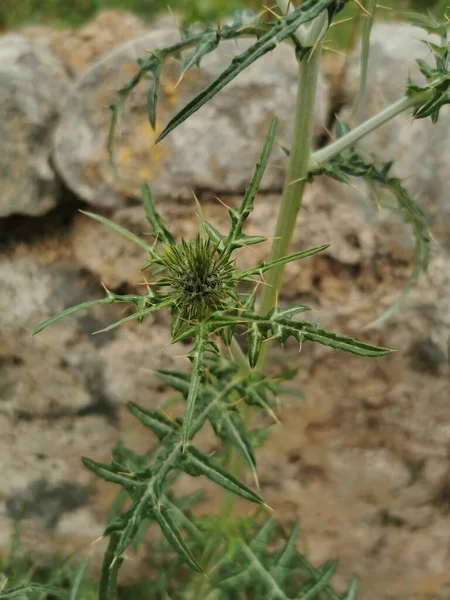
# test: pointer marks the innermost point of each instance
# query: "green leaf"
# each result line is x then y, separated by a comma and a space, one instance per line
158, 422
171, 533
322, 583
205, 47
110, 569
152, 96
77, 579
196, 356
265, 577
255, 341
121, 230
353, 589
177, 510
340, 342
282, 30
286, 556
263, 267
176, 380
164, 303
228, 425
105, 472
199, 463
160, 232
71, 310
365, 51
235, 238
20, 590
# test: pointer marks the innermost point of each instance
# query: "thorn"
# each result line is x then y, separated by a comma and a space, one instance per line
176, 86
269, 10
297, 180
223, 203
256, 480
112, 564
105, 288
329, 134
174, 19
227, 55
334, 51
269, 508
358, 3
341, 21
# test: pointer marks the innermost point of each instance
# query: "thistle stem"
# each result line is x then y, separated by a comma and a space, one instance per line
325, 154
295, 181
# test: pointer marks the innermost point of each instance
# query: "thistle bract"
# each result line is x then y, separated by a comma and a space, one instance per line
201, 278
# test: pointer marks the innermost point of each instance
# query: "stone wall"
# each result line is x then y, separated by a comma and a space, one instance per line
363, 461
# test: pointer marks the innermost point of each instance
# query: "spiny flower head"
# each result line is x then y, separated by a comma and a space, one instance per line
200, 276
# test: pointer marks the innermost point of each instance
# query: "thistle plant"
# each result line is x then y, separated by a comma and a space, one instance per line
210, 301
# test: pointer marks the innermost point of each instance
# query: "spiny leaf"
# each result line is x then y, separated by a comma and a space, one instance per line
340, 342
178, 510
279, 32
176, 380
69, 311
20, 590
139, 315
228, 425
172, 534
322, 583
263, 267
105, 472
240, 215
121, 230
350, 164
159, 423
286, 556
255, 341
205, 47
199, 463
264, 575
160, 232
196, 356
77, 579
152, 96
353, 589
110, 569
365, 50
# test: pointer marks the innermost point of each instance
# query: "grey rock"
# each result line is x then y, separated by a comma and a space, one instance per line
216, 149
33, 88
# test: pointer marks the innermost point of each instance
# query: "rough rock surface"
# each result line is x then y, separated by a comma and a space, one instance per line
363, 461
188, 159
33, 87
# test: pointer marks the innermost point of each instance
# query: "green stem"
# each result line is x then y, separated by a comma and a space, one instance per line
295, 183
290, 205
322, 156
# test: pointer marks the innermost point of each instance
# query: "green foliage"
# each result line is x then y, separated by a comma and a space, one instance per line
210, 302
350, 164
438, 77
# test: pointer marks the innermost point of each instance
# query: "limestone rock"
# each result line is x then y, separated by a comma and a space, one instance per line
79, 48
33, 88
235, 122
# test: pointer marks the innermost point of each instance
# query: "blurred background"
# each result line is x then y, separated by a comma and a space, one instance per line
14, 13
363, 461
